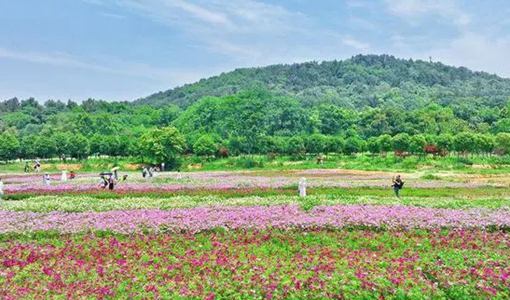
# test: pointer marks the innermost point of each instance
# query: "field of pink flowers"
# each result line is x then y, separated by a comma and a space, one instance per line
261, 246
268, 264
257, 217
174, 181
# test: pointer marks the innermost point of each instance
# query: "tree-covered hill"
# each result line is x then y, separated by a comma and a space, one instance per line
367, 103
361, 81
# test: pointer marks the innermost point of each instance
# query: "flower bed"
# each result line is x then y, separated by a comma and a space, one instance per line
163, 201
269, 264
280, 216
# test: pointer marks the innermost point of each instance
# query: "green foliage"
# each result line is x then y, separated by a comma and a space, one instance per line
78, 146
354, 144
368, 102
295, 146
401, 142
9, 146
162, 145
373, 145
205, 146
417, 144
464, 142
385, 143
503, 142
362, 81
316, 143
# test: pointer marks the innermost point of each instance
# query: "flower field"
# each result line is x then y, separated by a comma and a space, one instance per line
268, 264
257, 217
247, 235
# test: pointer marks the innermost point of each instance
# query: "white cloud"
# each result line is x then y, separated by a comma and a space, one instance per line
112, 15
410, 9
356, 44
476, 51
199, 12
114, 66
55, 59
247, 32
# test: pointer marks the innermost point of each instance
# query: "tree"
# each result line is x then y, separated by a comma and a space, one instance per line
97, 145
373, 145
354, 144
444, 142
401, 142
162, 145
503, 143
485, 143
417, 144
385, 143
205, 146
61, 140
316, 143
295, 146
336, 144
27, 147
464, 142
9, 146
44, 146
79, 147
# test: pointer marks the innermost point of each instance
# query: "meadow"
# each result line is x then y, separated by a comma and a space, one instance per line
248, 235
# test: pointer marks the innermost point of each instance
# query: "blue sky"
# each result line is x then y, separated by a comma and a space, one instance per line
126, 49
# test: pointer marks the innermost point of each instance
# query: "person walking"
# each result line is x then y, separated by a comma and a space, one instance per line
397, 185
111, 183
27, 167
103, 181
115, 172
37, 166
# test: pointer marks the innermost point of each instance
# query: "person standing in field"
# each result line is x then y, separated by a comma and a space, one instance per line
27, 167
397, 185
37, 166
47, 179
111, 183
103, 181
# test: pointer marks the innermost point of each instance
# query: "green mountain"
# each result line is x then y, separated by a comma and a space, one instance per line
358, 82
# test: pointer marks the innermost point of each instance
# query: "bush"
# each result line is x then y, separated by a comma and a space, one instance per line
249, 163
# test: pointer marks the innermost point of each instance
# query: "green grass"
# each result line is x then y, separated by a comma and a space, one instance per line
476, 164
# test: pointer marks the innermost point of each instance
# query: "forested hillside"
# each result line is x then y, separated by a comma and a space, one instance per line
367, 103
362, 81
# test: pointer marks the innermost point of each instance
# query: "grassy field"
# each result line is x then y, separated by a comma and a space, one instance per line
472, 164
248, 235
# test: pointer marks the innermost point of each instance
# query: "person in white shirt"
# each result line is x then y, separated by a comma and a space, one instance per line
47, 179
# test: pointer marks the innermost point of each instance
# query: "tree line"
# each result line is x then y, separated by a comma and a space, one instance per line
249, 122
165, 144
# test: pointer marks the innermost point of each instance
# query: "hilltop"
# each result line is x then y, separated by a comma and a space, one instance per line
361, 81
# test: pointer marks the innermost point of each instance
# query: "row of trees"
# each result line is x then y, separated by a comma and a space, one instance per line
155, 145
165, 144
403, 143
